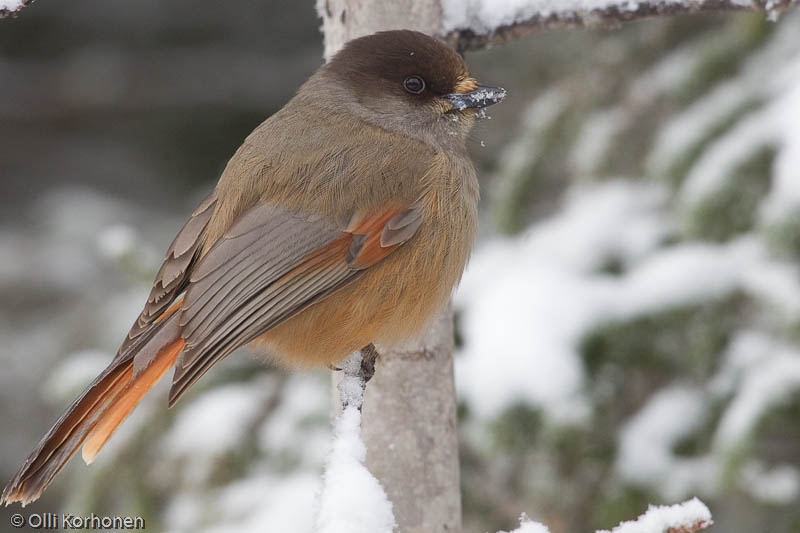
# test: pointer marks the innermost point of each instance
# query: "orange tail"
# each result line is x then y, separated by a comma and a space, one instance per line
93, 417
128, 397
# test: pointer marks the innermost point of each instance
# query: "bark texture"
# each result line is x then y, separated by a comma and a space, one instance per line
410, 431
343, 20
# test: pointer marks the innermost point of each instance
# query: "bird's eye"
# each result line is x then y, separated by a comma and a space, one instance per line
414, 84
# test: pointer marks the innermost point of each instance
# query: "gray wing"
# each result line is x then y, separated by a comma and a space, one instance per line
173, 276
270, 265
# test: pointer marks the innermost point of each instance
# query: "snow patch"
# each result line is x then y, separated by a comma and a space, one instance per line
646, 442
10, 5
281, 503
526, 525
299, 427
776, 486
213, 424
528, 301
766, 382
352, 500
595, 141
480, 98
691, 515
114, 242
74, 373
486, 16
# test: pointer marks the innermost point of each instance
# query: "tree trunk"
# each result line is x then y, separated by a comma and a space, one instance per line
409, 427
409, 413
343, 20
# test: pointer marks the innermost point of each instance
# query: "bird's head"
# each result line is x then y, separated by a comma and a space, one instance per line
408, 82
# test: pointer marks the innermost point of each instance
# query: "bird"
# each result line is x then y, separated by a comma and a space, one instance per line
343, 221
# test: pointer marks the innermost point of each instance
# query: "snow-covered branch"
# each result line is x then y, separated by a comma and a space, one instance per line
352, 500
479, 23
10, 8
688, 517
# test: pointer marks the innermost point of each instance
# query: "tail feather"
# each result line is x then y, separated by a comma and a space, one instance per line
128, 398
95, 414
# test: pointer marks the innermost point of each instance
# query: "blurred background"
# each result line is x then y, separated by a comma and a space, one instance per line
627, 330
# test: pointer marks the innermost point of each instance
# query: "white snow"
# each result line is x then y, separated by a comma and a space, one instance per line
11, 5
645, 449
691, 515
681, 275
181, 512
758, 372
773, 125
765, 383
784, 195
258, 503
526, 525
74, 373
213, 424
774, 281
351, 387
666, 75
688, 127
538, 116
299, 428
281, 503
267, 498
709, 174
537, 362
748, 348
352, 500
536, 119
526, 301
116, 241
776, 486
485, 16
596, 137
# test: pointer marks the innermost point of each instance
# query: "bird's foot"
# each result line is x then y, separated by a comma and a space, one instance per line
368, 357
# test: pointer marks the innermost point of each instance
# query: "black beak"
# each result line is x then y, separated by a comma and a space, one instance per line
481, 97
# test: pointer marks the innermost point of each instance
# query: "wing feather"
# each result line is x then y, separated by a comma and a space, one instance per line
270, 265
173, 276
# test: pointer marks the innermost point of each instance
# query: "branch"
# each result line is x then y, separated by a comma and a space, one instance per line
10, 8
534, 17
357, 369
688, 517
